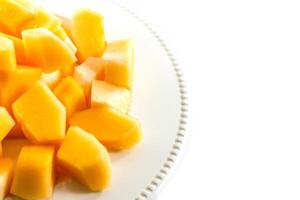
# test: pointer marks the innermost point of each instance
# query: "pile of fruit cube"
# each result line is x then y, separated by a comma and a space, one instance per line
64, 98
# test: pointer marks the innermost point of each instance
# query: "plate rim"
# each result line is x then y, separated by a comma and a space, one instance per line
177, 146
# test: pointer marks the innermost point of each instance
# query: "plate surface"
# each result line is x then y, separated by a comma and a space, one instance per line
158, 101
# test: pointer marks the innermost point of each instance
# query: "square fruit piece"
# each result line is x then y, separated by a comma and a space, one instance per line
46, 50
114, 129
85, 159
41, 115
87, 31
119, 63
6, 123
13, 14
34, 173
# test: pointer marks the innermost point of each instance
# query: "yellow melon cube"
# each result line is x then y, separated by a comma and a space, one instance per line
85, 159
69, 92
117, 131
13, 14
34, 174
51, 79
88, 33
6, 123
11, 148
6, 173
7, 54
104, 93
19, 48
41, 115
91, 69
45, 50
14, 83
119, 66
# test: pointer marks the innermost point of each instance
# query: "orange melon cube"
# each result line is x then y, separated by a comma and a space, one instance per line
51, 79
11, 148
19, 48
7, 54
69, 92
13, 14
116, 130
6, 123
34, 174
118, 59
45, 50
91, 69
41, 115
6, 173
85, 159
88, 33
1, 151
107, 94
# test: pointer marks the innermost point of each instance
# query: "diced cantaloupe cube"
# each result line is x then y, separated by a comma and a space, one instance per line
13, 14
42, 18
88, 33
14, 83
104, 93
6, 173
69, 92
117, 131
34, 174
7, 54
6, 123
45, 50
12, 147
1, 151
119, 66
85, 159
41, 115
51, 79
19, 48
90, 70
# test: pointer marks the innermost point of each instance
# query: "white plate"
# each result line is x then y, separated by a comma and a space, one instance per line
158, 101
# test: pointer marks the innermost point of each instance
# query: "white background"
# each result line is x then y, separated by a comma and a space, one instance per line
242, 65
